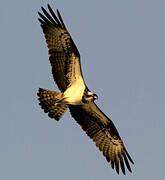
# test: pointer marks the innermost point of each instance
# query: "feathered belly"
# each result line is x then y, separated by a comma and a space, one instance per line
73, 95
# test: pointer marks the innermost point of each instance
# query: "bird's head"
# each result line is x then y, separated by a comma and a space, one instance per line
95, 97
89, 97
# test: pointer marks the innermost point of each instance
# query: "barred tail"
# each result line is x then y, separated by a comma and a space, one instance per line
48, 101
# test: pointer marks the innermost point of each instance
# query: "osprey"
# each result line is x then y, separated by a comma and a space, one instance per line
74, 94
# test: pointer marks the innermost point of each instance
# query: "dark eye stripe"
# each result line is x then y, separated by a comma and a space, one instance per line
89, 95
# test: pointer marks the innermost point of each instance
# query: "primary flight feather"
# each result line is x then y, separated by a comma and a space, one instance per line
74, 95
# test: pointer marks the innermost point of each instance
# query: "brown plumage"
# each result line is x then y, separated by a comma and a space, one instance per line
62, 50
103, 132
66, 69
47, 100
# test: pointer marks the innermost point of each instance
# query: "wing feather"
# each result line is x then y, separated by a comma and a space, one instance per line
54, 16
63, 53
126, 162
49, 17
112, 156
97, 136
103, 132
121, 161
116, 159
105, 147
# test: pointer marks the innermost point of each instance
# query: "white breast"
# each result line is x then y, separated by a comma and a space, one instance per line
73, 95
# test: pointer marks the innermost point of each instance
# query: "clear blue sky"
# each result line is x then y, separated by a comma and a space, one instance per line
122, 46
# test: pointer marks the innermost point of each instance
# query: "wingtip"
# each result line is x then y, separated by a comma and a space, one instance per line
117, 172
42, 8
132, 161
48, 5
124, 173
58, 12
40, 14
129, 157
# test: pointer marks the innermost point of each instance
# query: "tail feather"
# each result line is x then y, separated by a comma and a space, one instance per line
48, 101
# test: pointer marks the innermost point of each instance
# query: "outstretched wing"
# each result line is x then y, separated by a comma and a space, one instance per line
103, 132
63, 54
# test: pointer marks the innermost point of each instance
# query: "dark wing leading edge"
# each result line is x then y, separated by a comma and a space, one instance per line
103, 132
63, 54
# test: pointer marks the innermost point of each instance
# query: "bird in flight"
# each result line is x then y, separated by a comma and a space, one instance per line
74, 94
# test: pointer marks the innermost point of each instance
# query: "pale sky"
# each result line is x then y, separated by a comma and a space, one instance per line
122, 47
